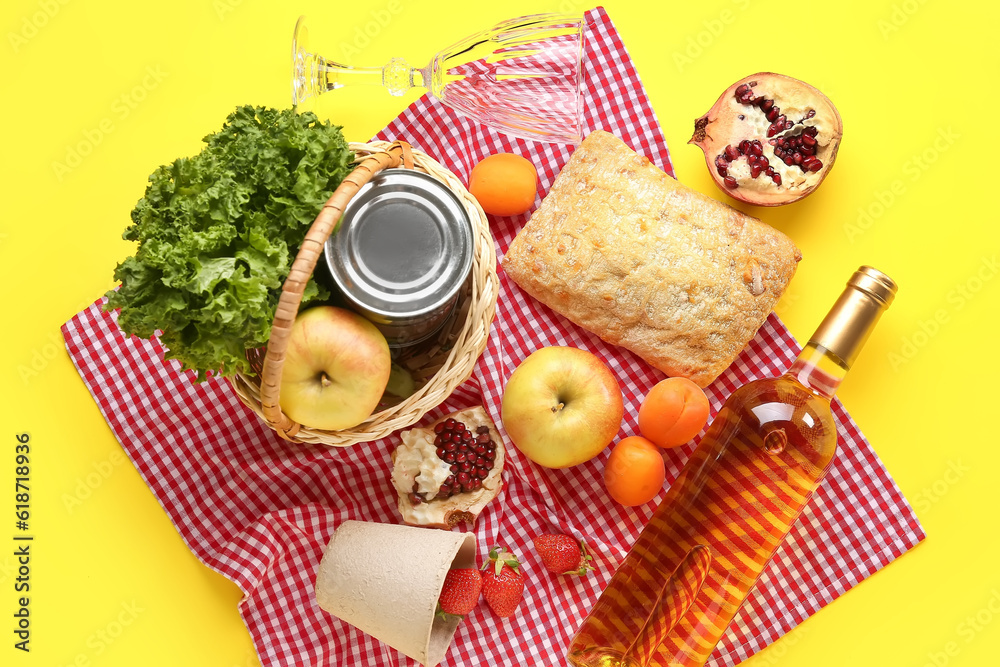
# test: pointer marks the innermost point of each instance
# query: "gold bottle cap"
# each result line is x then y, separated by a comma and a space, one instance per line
875, 283
851, 320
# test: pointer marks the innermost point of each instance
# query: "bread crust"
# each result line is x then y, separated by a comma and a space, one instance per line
460, 508
625, 251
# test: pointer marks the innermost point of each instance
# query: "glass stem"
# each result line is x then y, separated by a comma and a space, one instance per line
333, 75
396, 76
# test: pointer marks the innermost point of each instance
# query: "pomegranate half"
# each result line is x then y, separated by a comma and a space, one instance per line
769, 139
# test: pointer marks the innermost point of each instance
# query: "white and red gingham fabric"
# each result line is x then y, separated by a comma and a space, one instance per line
260, 510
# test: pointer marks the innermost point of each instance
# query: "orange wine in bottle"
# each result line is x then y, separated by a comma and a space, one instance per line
749, 478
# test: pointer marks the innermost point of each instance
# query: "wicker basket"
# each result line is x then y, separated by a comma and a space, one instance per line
438, 366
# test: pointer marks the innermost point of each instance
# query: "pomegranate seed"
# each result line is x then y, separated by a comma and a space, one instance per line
815, 165
440, 451
722, 171
450, 446
756, 148
483, 429
811, 131
763, 162
788, 124
797, 158
808, 140
449, 423
461, 456
483, 472
755, 170
744, 147
742, 90
489, 456
776, 177
766, 105
812, 112
439, 427
465, 466
732, 153
772, 114
455, 468
721, 162
483, 438
771, 131
480, 461
788, 160
462, 478
449, 457
730, 182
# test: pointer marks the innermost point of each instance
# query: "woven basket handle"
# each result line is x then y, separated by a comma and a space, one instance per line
302, 268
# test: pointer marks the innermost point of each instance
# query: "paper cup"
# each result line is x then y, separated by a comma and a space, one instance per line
385, 579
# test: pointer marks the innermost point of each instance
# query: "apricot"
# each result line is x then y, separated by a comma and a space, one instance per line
673, 412
504, 184
635, 471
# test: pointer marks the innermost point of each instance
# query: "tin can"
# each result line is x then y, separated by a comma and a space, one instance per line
401, 253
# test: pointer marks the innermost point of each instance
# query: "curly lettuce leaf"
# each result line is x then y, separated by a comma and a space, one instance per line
217, 233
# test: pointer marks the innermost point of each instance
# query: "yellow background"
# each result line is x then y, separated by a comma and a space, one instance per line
916, 84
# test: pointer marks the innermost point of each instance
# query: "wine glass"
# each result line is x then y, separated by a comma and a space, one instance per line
523, 76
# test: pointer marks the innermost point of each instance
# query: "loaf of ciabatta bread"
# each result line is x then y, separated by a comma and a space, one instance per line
625, 251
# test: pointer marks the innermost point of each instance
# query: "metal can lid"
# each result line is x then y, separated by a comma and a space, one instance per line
403, 247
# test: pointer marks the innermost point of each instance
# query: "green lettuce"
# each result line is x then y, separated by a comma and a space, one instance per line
217, 233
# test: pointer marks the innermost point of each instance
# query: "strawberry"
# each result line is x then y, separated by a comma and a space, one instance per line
460, 593
503, 583
563, 554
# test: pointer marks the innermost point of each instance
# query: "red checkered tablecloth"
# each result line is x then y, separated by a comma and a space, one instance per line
260, 510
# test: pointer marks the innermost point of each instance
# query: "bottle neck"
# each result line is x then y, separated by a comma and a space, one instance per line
818, 370
832, 350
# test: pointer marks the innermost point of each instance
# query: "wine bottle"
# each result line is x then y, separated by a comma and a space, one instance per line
749, 478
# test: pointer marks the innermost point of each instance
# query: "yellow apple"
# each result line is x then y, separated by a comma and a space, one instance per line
336, 368
562, 406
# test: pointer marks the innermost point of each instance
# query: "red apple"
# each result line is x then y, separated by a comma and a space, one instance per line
336, 368
562, 406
